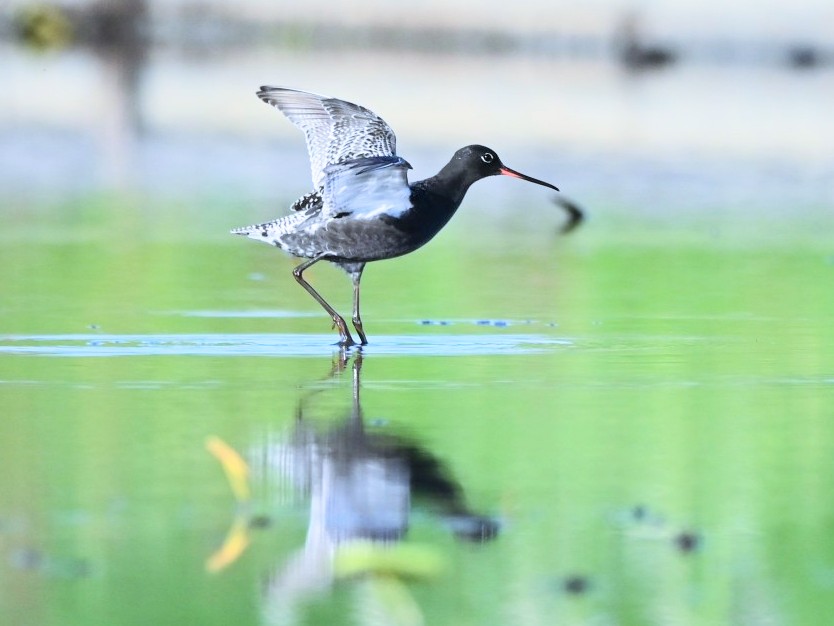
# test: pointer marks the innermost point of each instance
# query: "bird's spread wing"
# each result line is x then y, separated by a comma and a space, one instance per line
336, 131
366, 188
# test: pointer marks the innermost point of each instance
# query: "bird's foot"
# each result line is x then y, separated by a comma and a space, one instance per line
346, 342
357, 324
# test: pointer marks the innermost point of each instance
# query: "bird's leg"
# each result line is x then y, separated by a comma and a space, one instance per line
345, 339
357, 320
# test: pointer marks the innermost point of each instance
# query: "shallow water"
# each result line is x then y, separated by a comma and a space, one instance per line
630, 425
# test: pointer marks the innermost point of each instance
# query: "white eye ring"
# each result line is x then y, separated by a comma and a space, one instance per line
487, 157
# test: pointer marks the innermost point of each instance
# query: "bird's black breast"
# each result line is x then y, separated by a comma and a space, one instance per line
430, 212
388, 236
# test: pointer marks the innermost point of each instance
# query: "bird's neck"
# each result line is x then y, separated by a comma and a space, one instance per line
437, 198
434, 202
450, 183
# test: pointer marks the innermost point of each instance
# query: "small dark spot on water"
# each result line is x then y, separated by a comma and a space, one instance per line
95, 343
645, 515
687, 541
260, 521
639, 512
496, 323
576, 584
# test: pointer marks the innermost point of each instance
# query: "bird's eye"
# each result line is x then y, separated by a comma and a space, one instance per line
487, 157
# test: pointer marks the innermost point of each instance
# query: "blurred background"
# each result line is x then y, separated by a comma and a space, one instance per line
641, 102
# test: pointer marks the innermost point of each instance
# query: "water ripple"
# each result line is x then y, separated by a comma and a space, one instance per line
275, 345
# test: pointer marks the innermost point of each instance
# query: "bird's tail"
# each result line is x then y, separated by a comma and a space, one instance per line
271, 232
259, 232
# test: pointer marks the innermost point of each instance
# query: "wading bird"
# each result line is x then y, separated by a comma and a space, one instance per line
363, 208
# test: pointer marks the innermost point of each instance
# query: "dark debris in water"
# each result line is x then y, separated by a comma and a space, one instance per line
687, 541
642, 514
576, 584
575, 214
479, 322
260, 522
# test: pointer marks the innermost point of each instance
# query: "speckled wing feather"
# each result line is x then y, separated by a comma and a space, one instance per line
336, 131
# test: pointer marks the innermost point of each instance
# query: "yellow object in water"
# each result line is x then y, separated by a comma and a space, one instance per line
237, 540
236, 469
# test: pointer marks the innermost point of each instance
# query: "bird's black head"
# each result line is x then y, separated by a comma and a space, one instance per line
479, 162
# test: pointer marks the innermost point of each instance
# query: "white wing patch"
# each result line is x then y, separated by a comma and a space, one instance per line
367, 188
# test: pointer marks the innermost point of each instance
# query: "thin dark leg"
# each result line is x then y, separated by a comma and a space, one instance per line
357, 320
345, 339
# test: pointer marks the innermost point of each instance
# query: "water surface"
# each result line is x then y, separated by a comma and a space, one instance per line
616, 427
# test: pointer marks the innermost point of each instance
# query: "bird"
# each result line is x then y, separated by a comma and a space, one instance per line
362, 207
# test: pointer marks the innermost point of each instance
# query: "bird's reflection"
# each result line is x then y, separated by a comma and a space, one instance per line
362, 486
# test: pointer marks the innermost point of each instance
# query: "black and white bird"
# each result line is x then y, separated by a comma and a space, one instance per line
362, 207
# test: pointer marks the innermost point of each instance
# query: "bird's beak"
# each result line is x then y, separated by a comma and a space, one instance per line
506, 171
